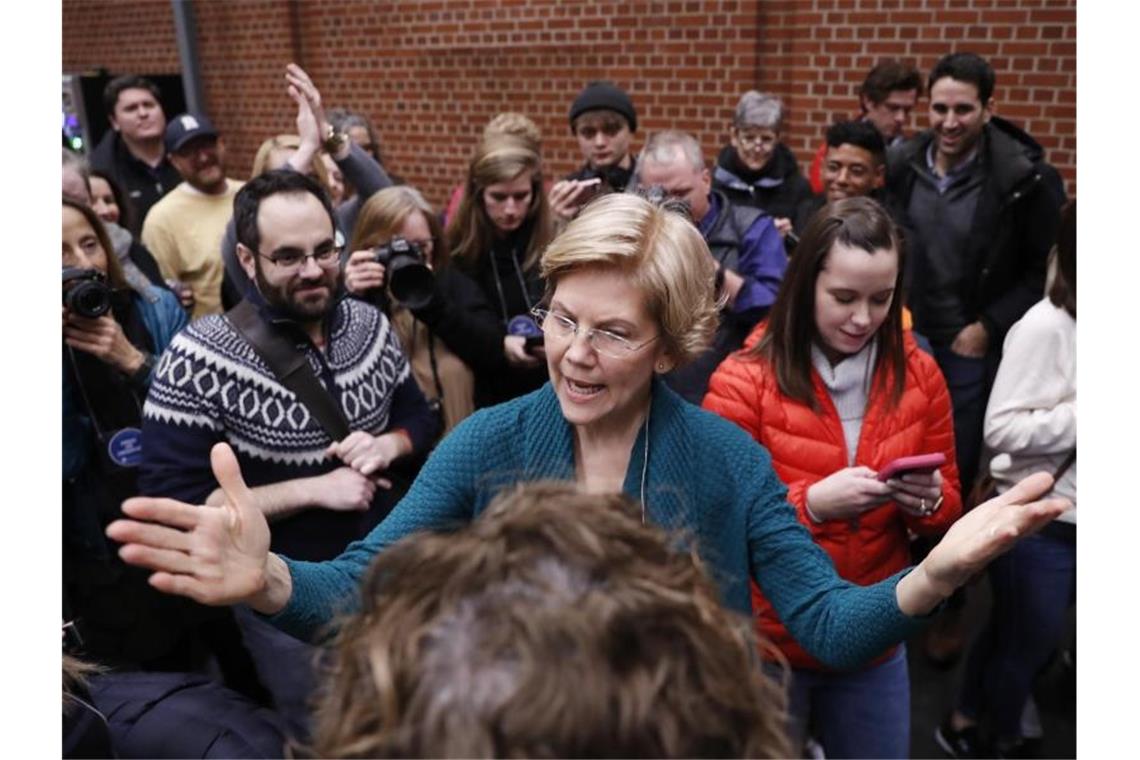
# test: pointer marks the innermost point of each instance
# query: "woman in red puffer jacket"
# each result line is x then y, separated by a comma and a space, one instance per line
835, 389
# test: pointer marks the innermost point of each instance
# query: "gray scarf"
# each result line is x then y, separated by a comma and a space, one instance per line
848, 383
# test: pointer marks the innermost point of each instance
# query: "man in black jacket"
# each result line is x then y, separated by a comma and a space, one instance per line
133, 151
982, 208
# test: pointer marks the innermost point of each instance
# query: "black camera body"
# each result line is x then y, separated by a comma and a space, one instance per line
410, 280
86, 292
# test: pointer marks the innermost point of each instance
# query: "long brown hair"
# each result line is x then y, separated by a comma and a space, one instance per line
500, 158
857, 223
555, 625
114, 272
1063, 291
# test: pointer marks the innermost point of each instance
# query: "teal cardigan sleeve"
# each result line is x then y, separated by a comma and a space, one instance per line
841, 624
443, 496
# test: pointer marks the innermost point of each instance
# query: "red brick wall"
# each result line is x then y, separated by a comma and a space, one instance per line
431, 73
815, 53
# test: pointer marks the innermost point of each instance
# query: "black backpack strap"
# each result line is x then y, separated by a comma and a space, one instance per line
290, 366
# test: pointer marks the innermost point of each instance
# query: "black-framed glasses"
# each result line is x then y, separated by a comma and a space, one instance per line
326, 256
606, 343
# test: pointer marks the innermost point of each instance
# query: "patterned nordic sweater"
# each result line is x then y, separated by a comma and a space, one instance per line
211, 386
705, 476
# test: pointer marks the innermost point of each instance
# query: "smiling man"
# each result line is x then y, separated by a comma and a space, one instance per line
211, 385
184, 230
855, 164
982, 208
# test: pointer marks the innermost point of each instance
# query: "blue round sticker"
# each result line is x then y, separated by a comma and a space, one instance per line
522, 324
125, 447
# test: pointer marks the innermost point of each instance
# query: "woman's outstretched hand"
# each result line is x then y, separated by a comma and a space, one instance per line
214, 555
976, 539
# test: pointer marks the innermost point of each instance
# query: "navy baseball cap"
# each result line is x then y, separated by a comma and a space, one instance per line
182, 129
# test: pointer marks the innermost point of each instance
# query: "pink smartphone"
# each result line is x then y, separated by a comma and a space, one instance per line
919, 463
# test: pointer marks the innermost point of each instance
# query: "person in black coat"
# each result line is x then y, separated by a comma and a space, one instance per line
446, 326
755, 168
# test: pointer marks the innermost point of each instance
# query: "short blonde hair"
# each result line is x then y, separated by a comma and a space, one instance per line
660, 250
285, 142
517, 124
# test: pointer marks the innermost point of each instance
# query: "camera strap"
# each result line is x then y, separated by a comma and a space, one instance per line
290, 366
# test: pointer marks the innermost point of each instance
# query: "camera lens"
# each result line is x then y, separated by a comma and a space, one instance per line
88, 299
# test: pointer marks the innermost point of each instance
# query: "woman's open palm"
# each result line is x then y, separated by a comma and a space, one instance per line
214, 555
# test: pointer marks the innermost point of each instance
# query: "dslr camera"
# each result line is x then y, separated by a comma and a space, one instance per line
410, 280
86, 292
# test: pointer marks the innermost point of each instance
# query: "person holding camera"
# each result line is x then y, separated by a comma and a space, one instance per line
148, 645
496, 238
835, 390
400, 262
111, 338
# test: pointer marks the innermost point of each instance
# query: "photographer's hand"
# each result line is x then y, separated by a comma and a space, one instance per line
103, 338
362, 272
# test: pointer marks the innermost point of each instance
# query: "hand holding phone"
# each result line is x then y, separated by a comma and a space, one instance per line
533, 342
924, 463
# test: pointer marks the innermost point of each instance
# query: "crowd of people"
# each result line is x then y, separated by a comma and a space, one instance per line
659, 458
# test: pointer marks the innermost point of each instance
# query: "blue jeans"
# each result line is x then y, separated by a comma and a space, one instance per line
864, 713
1033, 585
969, 381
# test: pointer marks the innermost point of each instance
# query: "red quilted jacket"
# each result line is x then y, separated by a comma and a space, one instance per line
807, 446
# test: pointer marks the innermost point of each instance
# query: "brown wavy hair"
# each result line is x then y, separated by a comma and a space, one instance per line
856, 223
555, 625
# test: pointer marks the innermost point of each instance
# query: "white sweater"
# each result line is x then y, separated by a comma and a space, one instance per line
1031, 419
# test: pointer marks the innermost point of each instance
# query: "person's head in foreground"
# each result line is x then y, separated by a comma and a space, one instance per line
842, 290
629, 292
555, 625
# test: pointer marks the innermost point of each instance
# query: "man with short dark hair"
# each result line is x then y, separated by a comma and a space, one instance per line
886, 99
183, 231
743, 240
132, 152
982, 208
855, 165
212, 385
603, 120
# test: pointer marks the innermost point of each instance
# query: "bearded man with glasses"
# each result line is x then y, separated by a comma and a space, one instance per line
211, 385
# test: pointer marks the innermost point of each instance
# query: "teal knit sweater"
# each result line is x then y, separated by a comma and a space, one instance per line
706, 477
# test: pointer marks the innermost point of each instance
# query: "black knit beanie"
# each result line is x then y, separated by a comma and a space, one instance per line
604, 95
